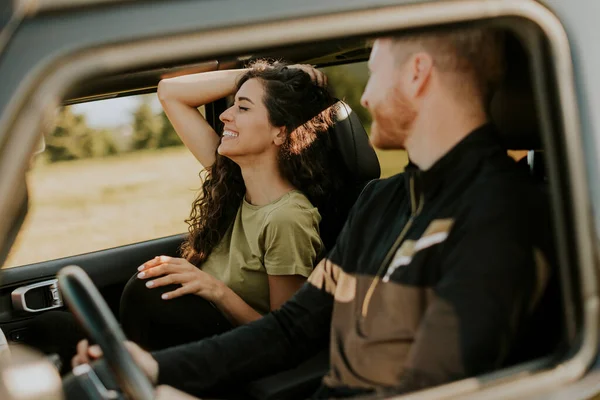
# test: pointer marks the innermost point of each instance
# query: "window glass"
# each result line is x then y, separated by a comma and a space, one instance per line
113, 172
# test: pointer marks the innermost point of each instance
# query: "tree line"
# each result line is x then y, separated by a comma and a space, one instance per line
72, 138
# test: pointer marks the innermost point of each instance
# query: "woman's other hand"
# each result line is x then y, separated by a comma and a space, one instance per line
170, 270
317, 76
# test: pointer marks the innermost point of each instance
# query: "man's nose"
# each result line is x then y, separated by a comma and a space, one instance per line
363, 100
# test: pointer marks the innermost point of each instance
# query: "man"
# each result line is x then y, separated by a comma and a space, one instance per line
435, 276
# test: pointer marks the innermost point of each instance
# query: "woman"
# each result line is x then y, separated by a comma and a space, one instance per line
254, 229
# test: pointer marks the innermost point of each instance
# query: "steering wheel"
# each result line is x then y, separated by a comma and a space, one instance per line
92, 312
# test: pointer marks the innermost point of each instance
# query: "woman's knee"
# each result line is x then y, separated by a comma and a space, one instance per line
136, 293
138, 301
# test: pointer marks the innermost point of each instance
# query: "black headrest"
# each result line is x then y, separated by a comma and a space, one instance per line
513, 112
352, 141
512, 107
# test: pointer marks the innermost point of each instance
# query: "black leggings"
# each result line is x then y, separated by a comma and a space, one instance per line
155, 324
146, 319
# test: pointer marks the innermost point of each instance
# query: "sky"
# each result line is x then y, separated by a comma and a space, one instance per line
112, 113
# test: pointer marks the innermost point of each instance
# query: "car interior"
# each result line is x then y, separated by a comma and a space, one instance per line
512, 108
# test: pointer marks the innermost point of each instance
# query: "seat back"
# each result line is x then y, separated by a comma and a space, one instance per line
513, 109
514, 113
355, 162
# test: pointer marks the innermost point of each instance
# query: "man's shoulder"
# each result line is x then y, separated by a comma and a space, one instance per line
382, 186
506, 174
508, 189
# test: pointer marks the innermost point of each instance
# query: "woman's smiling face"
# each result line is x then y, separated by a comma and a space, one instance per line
247, 129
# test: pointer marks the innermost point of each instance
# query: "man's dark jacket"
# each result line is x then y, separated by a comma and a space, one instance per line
437, 275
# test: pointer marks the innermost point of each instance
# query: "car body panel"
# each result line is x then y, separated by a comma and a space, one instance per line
140, 20
109, 270
580, 21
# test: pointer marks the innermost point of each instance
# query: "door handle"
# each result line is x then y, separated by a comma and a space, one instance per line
46, 294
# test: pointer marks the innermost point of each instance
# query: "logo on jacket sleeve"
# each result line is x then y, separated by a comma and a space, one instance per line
437, 231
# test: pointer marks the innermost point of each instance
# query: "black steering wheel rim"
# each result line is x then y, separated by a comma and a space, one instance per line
91, 311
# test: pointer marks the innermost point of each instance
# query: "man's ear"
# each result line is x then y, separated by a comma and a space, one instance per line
419, 73
280, 137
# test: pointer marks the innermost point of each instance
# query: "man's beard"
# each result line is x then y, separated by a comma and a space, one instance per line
392, 122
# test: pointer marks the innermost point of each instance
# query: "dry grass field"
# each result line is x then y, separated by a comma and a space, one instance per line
87, 205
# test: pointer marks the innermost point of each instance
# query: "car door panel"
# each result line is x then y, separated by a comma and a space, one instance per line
109, 269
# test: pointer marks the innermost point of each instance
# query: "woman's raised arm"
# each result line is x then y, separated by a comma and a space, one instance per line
180, 98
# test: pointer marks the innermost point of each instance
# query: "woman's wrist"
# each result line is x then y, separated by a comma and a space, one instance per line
218, 293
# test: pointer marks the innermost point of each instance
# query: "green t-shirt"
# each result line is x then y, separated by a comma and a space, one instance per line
280, 238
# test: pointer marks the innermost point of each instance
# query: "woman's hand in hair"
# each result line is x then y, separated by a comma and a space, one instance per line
170, 270
317, 76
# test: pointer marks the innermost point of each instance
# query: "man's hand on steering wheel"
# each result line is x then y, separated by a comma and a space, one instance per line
87, 353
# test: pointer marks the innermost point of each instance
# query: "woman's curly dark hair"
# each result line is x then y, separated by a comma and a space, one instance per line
305, 110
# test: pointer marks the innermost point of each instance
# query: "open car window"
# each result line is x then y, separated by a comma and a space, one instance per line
113, 172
